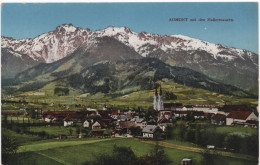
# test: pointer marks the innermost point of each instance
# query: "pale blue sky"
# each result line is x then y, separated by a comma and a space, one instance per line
30, 20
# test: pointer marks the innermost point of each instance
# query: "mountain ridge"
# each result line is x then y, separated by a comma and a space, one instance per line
230, 65
110, 66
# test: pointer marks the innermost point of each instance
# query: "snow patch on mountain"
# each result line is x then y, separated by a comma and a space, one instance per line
61, 42
14, 53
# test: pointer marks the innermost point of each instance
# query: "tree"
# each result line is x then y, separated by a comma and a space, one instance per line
190, 117
156, 157
233, 142
70, 131
42, 134
106, 87
209, 157
9, 148
78, 130
168, 132
170, 96
198, 135
136, 131
150, 113
61, 91
189, 135
5, 121
120, 155
182, 130
126, 156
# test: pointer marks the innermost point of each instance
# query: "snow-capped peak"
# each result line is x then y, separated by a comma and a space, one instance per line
69, 28
61, 42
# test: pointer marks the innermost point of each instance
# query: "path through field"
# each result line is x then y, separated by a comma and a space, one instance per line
199, 150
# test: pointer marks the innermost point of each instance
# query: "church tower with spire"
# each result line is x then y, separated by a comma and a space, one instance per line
158, 101
155, 100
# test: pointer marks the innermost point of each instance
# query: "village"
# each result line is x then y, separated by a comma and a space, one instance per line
139, 124
223, 128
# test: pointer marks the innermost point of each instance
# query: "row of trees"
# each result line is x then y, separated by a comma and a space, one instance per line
126, 156
204, 135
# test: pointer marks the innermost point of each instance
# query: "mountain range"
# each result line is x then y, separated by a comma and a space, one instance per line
95, 60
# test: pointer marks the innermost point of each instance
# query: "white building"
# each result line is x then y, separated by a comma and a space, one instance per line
149, 131
240, 117
86, 124
68, 121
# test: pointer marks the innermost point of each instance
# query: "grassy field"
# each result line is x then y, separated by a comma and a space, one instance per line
55, 130
233, 129
20, 138
64, 152
34, 158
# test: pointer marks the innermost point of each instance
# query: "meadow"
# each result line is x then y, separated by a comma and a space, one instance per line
131, 98
63, 152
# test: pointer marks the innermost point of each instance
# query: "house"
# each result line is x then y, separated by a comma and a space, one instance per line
226, 109
164, 122
150, 131
116, 113
186, 161
165, 114
180, 113
240, 117
123, 117
252, 123
49, 118
171, 106
218, 119
68, 121
140, 122
77, 116
99, 125
86, 124
126, 125
205, 108
181, 108
198, 114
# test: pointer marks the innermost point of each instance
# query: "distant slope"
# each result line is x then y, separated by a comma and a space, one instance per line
13, 63
107, 65
142, 74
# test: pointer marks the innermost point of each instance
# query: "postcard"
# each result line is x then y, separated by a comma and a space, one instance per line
131, 83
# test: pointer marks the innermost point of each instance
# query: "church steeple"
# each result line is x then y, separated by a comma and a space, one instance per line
156, 93
158, 101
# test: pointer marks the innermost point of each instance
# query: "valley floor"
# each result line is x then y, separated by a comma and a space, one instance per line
81, 150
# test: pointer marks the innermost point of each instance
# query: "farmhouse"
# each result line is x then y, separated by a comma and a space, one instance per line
49, 118
86, 124
180, 113
150, 131
218, 119
171, 106
240, 117
226, 109
164, 122
140, 122
99, 125
126, 125
165, 114
68, 121
77, 116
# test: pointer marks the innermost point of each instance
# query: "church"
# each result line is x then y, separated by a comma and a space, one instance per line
158, 101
